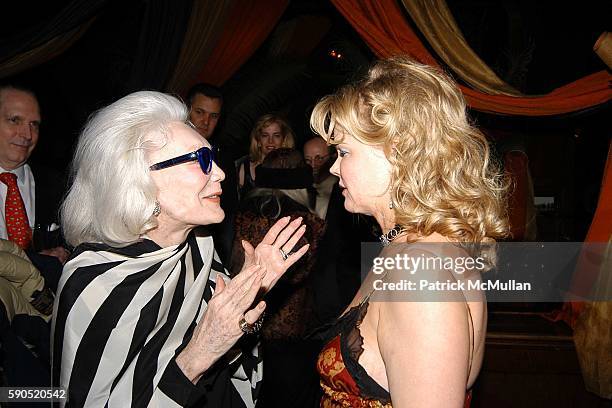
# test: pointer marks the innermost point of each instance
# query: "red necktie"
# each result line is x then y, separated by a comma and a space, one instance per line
17, 227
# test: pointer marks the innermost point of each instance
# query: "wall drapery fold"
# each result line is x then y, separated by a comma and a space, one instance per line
74, 15
436, 22
44, 52
160, 41
383, 27
208, 18
591, 320
245, 30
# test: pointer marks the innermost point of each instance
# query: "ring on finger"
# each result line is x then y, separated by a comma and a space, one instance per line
244, 326
284, 254
249, 328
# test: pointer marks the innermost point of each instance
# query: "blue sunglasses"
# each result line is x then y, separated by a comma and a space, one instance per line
204, 155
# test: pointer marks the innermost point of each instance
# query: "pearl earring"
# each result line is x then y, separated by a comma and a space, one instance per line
390, 204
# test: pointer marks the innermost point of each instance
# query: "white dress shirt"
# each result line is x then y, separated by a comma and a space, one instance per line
25, 182
324, 189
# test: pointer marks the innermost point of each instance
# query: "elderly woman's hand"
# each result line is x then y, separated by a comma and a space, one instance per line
219, 329
280, 239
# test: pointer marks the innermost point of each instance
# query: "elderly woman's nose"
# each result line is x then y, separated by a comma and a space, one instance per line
217, 173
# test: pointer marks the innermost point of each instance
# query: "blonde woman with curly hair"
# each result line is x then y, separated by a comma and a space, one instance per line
408, 156
269, 133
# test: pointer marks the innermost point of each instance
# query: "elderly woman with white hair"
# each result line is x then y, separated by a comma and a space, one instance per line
145, 314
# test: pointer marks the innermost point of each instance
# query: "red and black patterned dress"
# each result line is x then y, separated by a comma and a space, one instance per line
344, 381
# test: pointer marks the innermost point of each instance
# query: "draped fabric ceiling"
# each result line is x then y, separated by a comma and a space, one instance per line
383, 27
222, 34
240, 37
207, 40
208, 18
46, 40
435, 21
44, 52
71, 17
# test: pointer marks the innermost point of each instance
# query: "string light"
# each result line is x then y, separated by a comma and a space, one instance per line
335, 54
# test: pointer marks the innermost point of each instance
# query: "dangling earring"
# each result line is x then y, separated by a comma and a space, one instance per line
156, 209
390, 204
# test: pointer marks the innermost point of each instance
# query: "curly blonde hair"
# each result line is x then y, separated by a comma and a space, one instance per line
443, 177
256, 154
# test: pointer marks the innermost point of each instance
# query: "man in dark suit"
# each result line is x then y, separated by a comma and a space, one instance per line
336, 276
39, 189
205, 107
29, 200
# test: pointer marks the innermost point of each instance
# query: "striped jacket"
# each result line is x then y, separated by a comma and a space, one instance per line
122, 315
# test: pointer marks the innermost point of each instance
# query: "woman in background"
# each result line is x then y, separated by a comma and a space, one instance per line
270, 132
283, 187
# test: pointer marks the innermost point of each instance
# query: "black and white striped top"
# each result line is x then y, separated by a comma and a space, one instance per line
121, 316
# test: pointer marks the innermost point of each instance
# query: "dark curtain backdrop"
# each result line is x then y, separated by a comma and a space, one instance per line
44, 52
159, 44
208, 17
242, 35
68, 18
139, 55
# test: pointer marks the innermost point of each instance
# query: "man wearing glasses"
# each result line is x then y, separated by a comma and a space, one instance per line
335, 283
320, 157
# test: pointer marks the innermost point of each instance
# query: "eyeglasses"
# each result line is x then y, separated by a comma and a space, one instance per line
204, 155
316, 159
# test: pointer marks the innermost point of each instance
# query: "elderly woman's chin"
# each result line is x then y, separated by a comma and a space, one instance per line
213, 216
206, 215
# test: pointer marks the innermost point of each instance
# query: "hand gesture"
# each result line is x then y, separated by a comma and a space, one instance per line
274, 253
219, 329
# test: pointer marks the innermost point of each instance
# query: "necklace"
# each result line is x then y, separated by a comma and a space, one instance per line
393, 233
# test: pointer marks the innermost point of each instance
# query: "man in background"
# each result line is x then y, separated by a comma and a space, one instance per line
29, 272
205, 103
337, 269
30, 195
205, 108
320, 157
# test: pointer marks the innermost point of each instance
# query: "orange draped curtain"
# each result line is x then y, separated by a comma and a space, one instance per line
435, 21
599, 231
208, 18
383, 27
248, 25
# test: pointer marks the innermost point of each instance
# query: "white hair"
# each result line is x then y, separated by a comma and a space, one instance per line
113, 195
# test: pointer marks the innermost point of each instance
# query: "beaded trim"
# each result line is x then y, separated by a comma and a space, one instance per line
387, 238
